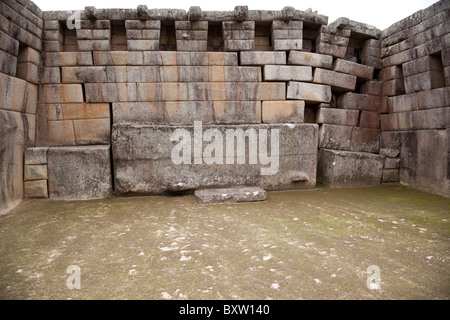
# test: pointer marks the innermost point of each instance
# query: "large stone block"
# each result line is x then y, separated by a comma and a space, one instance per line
361, 71
62, 93
424, 81
163, 160
336, 137
36, 155
343, 169
237, 112
356, 101
83, 74
339, 82
232, 74
79, 173
283, 111
309, 92
259, 58
35, 189
110, 92
287, 73
337, 116
424, 64
311, 59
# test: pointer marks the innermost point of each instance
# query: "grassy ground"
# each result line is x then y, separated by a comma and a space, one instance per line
312, 244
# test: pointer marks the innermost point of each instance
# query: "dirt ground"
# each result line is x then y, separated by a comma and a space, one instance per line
310, 244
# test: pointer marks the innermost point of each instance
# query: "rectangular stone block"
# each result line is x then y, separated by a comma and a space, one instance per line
336, 137
391, 175
192, 45
120, 58
369, 119
110, 92
287, 73
343, 169
60, 133
143, 24
424, 64
169, 91
356, 101
79, 173
308, 92
186, 112
28, 71
287, 44
35, 189
222, 58
229, 195
393, 87
337, 116
94, 45
390, 73
436, 98
365, 140
331, 49
311, 59
403, 103
150, 168
361, 71
83, 74
237, 112
67, 59
51, 75
339, 82
92, 131
231, 73
143, 45
438, 118
239, 45
35, 172
123, 74
62, 93
139, 112
372, 87
36, 155
16, 101
424, 81
257, 58
283, 111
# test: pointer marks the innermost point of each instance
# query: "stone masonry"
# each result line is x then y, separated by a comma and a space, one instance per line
89, 100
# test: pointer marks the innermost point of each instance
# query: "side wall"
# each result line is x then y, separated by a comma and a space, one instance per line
20, 45
416, 97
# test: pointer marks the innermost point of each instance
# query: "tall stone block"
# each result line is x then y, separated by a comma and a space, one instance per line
79, 173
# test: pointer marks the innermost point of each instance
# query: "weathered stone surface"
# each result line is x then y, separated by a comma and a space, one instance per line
356, 69
36, 155
35, 172
424, 64
257, 58
392, 163
287, 73
83, 74
237, 112
343, 169
283, 111
35, 189
79, 173
150, 169
310, 59
339, 82
356, 101
92, 131
390, 175
308, 92
12, 145
424, 81
62, 93
230, 195
337, 116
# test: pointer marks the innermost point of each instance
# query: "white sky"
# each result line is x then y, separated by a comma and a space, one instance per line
379, 13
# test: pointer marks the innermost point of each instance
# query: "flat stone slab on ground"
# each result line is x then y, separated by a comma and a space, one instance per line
230, 195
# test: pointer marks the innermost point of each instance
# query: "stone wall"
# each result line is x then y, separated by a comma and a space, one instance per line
416, 97
115, 84
21, 26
